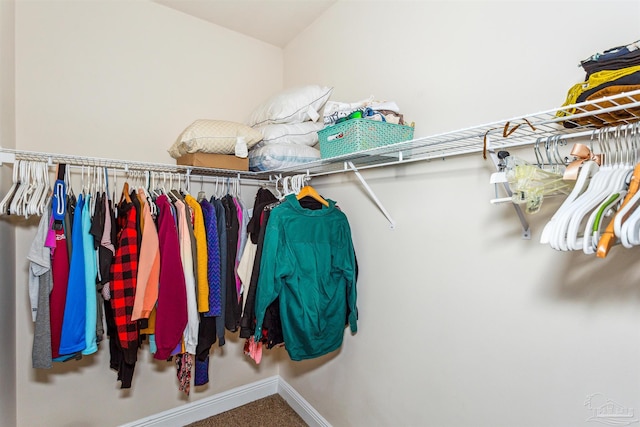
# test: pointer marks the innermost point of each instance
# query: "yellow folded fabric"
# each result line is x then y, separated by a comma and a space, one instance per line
594, 80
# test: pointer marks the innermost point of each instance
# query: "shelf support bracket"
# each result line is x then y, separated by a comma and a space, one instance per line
372, 194
526, 231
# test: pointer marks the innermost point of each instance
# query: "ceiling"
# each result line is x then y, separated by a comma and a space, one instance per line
273, 21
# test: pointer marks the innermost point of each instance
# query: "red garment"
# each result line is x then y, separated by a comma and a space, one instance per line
123, 284
58, 297
171, 310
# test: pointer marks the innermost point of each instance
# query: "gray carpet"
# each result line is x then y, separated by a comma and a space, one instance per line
272, 411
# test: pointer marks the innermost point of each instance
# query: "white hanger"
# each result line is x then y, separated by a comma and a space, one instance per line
628, 230
41, 205
14, 186
38, 180
588, 170
277, 182
556, 225
16, 203
613, 193
565, 236
611, 181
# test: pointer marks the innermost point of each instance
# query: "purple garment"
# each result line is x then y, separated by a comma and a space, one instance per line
213, 258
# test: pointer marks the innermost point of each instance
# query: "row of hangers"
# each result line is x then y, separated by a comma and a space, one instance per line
298, 185
30, 189
531, 183
601, 209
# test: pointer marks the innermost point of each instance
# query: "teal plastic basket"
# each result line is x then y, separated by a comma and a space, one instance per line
356, 135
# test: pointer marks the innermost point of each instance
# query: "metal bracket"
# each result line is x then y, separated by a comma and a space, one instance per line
7, 158
372, 194
526, 231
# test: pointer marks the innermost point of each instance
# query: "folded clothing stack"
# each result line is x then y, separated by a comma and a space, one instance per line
614, 71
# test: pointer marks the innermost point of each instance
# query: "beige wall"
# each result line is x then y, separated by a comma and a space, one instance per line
7, 231
463, 323
121, 80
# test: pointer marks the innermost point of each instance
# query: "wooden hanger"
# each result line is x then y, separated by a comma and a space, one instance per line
125, 193
309, 191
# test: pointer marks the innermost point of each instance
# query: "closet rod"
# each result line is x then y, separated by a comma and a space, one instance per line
11, 155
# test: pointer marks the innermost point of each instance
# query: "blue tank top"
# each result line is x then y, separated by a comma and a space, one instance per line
90, 273
72, 339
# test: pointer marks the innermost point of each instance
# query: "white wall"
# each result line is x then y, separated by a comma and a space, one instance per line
7, 231
122, 80
462, 322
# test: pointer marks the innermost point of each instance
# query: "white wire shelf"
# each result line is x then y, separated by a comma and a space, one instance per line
585, 118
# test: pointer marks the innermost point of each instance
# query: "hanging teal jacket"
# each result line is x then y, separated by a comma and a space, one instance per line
308, 261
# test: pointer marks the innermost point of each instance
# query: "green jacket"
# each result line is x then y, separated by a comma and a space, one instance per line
309, 262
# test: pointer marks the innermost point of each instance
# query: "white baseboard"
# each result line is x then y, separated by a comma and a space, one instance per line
231, 399
300, 405
210, 406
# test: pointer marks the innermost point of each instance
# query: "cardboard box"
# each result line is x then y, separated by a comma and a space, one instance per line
217, 161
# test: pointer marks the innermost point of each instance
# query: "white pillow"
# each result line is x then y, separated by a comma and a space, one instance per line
305, 133
275, 156
214, 137
295, 105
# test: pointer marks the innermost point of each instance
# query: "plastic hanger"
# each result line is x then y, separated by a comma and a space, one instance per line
201, 194
39, 173
125, 193
174, 192
529, 184
278, 179
614, 228
33, 193
617, 189
565, 235
553, 231
32, 189
588, 170
16, 203
627, 221
613, 181
309, 191
4, 204
43, 202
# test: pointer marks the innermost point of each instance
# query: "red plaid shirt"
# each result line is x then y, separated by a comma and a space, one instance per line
123, 284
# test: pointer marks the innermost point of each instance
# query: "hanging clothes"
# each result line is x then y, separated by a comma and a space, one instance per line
148, 268
171, 309
201, 255
222, 240
271, 332
72, 338
186, 255
308, 261
255, 229
213, 258
40, 287
207, 330
232, 304
90, 273
97, 232
58, 298
123, 287
242, 234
